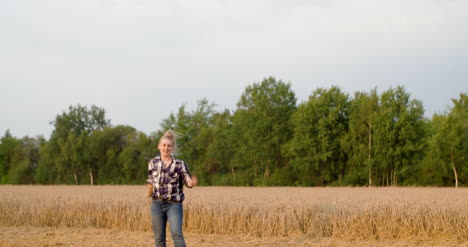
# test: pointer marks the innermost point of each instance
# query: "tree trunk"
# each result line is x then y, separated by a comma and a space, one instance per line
233, 172
452, 161
255, 172
267, 173
370, 151
91, 180
75, 176
392, 178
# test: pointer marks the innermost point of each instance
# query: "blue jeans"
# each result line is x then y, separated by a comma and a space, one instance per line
161, 212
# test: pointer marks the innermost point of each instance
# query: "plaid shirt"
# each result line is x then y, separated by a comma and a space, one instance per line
168, 182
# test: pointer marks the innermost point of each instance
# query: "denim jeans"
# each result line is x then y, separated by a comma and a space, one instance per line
161, 212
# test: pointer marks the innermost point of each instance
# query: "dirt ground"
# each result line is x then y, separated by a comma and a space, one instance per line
54, 237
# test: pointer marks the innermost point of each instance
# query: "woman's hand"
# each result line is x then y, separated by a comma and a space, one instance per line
192, 182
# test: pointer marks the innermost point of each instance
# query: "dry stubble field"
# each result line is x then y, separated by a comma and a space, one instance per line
237, 216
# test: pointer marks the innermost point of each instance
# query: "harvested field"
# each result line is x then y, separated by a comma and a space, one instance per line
308, 216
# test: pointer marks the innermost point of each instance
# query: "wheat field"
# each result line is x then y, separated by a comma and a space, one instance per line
407, 216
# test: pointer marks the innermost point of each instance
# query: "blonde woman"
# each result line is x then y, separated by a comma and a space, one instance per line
166, 179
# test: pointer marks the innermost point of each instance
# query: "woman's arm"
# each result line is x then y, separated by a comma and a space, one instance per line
189, 180
149, 191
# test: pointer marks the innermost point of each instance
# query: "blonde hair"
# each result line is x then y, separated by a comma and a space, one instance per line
170, 136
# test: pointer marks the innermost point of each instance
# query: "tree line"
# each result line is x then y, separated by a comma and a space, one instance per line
332, 139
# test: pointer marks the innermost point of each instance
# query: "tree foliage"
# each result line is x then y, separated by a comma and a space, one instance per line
449, 145
319, 126
260, 126
359, 141
331, 139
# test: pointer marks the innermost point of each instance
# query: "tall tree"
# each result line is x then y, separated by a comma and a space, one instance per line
67, 154
319, 126
23, 158
220, 150
79, 119
193, 130
400, 136
451, 141
8, 145
359, 142
433, 170
69, 137
260, 124
105, 147
139, 149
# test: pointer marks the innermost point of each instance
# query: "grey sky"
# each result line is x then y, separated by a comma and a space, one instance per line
141, 60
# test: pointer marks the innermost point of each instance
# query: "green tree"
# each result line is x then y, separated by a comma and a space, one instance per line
67, 154
451, 141
73, 151
47, 171
400, 136
63, 158
220, 150
431, 168
79, 119
319, 126
359, 139
261, 126
136, 153
8, 145
105, 147
24, 159
180, 124
193, 132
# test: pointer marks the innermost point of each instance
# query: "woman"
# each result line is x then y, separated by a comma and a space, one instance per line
166, 179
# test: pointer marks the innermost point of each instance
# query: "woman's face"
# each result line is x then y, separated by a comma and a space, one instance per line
165, 147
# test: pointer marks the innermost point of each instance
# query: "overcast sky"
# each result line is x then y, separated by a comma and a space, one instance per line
141, 60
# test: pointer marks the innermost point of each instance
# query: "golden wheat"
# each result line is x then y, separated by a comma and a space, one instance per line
344, 213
